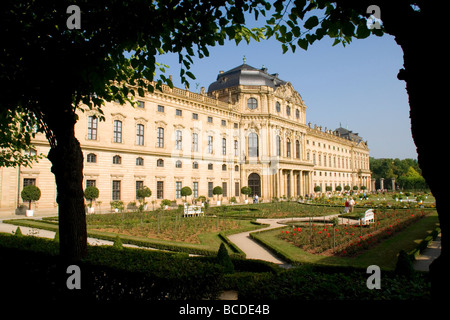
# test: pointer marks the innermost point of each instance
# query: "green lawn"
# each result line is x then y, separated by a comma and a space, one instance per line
167, 234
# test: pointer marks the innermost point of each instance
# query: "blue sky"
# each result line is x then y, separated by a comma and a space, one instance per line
355, 86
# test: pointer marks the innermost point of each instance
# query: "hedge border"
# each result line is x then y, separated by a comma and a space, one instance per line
424, 244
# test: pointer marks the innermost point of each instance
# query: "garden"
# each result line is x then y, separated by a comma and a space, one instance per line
345, 236
330, 251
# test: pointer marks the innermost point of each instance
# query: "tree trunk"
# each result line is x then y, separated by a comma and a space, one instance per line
67, 166
427, 94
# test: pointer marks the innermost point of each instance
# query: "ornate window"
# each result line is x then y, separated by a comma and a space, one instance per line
252, 103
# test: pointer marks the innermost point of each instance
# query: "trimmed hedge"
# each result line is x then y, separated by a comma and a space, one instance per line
424, 244
107, 273
308, 283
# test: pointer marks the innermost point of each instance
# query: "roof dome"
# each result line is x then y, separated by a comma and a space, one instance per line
245, 75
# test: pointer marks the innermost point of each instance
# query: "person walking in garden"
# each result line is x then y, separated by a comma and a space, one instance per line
351, 204
346, 206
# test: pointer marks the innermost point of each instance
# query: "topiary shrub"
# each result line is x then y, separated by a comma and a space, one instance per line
18, 232
224, 259
91, 193
404, 266
118, 243
30, 193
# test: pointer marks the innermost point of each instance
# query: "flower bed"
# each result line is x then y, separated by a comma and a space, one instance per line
349, 239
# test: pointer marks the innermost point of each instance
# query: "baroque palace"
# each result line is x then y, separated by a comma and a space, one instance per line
248, 129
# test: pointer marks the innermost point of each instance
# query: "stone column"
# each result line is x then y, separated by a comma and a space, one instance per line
382, 184
393, 184
373, 184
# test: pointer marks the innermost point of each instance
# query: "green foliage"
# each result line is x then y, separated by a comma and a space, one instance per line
18, 232
30, 193
332, 283
186, 191
296, 24
217, 190
91, 193
404, 266
165, 202
246, 190
17, 129
224, 260
117, 204
144, 192
118, 243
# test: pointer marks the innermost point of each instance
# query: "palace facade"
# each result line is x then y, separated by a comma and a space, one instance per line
248, 129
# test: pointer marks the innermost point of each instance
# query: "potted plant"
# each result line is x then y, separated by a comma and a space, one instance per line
165, 203
30, 193
116, 205
186, 191
246, 190
91, 193
218, 191
143, 193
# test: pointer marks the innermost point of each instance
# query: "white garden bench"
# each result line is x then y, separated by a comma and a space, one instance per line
192, 210
369, 217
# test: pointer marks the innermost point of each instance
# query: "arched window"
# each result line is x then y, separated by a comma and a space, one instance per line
236, 168
178, 164
288, 111
278, 106
195, 165
224, 167
253, 145
160, 163
139, 161
117, 159
91, 158
252, 103
297, 149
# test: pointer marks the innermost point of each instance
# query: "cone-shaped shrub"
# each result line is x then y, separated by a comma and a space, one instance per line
224, 259
118, 243
18, 232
